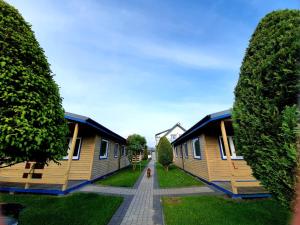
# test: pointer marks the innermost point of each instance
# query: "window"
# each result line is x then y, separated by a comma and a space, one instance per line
76, 150
116, 150
173, 137
103, 149
176, 152
186, 150
231, 148
123, 150
181, 153
196, 148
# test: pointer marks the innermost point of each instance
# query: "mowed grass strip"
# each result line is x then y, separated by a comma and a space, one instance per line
75, 209
175, 177
125, 177
216, 210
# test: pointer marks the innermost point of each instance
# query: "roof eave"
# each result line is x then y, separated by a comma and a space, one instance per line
91, 122
184, 136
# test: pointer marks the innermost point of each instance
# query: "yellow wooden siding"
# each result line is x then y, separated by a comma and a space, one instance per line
219, 168
80, 169
194, 166
102, 167
177, 160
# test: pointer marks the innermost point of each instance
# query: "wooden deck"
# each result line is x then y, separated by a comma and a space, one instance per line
241, 190
71, 184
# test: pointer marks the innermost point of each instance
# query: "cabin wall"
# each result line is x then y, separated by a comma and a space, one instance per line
80, 169
219, 168
102, 167
197, 167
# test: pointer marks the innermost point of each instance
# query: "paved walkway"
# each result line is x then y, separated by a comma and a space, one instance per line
141, 210
184, 191
108, 190
131, 191
142, 204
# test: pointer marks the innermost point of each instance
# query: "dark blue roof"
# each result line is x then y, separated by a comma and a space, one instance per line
201, 124
91, 123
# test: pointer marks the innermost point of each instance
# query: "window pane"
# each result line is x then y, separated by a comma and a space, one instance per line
186, 150
180, 151
116, 150
77, 146
223, 146
123, 150
197, 147
103, 148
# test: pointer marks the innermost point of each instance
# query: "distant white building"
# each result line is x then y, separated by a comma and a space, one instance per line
171, 133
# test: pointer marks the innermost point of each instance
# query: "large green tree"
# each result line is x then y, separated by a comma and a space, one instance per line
136, 144
265, 111
32, 124
165, 152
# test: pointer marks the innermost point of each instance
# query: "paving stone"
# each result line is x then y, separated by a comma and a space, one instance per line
142, 205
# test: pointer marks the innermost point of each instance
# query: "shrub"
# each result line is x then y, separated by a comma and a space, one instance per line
265, 112
164, 152
32, 120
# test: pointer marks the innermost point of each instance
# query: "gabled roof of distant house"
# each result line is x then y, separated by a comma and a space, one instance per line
169, 130
201, 124
92, 123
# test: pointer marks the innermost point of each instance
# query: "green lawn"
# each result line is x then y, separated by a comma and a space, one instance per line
75, 209
175, 177
212, 210
124, 178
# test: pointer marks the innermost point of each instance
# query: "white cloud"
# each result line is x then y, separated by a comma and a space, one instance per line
126, 118
112, 65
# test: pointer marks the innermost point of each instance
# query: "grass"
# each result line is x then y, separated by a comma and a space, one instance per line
124, 178
175, 177
75, 209
212, 210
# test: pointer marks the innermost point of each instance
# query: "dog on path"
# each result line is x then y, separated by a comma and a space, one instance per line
148, 172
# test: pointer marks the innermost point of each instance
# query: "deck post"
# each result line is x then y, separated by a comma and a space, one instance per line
70, 157
226, 146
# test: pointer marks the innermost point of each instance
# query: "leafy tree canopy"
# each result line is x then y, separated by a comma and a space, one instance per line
135, 145
265, 113
165, 152
32, 124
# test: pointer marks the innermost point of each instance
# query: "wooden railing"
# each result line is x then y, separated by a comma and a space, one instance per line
31, 173
137, 158
24, 174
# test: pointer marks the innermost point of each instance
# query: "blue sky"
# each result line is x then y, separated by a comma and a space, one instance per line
141, 66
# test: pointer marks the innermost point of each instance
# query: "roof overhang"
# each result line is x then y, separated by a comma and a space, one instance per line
201, 125
98, 127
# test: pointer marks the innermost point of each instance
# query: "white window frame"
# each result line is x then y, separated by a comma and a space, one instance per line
116, 155
69, 148
176, 152
231, 146
107, 148
194, 150
186, 150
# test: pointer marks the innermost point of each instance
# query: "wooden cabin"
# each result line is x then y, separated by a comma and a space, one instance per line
203, 151
94, 152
